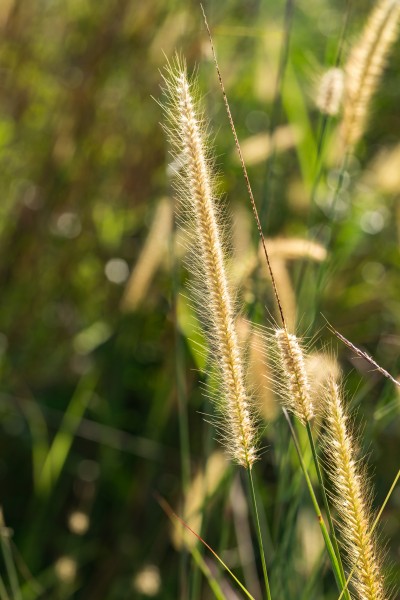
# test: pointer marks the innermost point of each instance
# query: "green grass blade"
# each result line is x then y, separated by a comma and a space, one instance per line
8, 559
258, 531
62, 442
172, 515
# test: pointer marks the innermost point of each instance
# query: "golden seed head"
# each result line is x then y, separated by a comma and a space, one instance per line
365, 66
298, 393
350, 497
330, 91
196, 189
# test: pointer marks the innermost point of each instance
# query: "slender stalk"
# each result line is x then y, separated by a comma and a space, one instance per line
8, 559
203, 567
330, 549
259, 536
172, 515
327, 509
184, 444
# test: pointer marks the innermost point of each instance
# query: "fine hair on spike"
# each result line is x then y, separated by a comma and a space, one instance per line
350, 496
196, 188
365, 66
297, 395
330, 91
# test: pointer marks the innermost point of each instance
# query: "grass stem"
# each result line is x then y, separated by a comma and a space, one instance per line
328, 543
259, 536
327, 510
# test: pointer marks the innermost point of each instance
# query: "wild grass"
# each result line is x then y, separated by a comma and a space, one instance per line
110, 393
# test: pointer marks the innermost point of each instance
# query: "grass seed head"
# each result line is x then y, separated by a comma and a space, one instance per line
196, 188
365, 67
330, 92
297, 395
351, 498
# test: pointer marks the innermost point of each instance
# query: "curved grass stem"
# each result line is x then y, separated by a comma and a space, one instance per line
328, 543
345, 591
259, 536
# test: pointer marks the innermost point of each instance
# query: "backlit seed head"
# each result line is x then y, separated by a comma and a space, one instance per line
297, 395
330, 92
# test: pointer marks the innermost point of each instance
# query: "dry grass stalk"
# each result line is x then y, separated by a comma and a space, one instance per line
351, 499
365, 66
330, 92
203, 486
150, 258
195, 185
298, 395
257, 148
295, 248
287, 295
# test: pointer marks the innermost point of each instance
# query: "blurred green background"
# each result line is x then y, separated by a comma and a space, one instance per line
99, 383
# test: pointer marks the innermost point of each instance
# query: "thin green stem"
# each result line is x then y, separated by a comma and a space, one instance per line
203, 567
327, 509
324, 531
184, 445
8, 559
258, 530
172, 515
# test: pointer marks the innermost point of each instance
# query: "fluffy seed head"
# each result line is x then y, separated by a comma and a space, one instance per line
351, 499
298, 394
330, 91
196, 189
365, 66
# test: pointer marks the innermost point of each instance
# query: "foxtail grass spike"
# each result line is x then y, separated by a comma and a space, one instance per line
351, 499
195, 185
298, 396
330, 92
365, 66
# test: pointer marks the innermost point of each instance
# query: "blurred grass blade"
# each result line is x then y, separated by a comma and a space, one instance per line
62, 442
3, 591
39, 433
213, 583
172, 515
8, 559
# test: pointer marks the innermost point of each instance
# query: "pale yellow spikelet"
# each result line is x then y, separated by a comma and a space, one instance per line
297, 397
330, 91
196, 188
351, 499
365, 66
